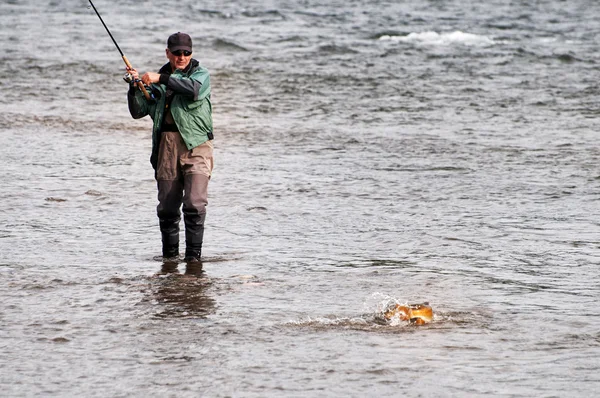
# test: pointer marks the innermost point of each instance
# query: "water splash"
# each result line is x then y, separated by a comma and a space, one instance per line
442, 39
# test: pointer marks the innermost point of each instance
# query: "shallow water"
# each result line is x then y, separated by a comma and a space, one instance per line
424, 151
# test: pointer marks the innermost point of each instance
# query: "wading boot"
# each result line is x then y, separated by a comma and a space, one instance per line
194, 233
170, 240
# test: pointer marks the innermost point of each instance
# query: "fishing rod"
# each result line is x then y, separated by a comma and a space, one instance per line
138, 82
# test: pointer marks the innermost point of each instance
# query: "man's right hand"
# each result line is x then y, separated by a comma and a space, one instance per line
133, 73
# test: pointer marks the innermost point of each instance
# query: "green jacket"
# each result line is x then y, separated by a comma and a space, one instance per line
191, 107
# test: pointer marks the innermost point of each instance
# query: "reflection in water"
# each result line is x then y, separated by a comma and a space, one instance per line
182, 295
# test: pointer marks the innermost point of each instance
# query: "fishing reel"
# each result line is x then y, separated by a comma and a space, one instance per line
128, 78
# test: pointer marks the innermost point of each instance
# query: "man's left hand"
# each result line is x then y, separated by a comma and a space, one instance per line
150, 77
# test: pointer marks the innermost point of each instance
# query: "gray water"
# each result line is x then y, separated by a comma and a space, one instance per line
438, 151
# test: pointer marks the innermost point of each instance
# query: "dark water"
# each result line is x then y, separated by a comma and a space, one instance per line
440, 151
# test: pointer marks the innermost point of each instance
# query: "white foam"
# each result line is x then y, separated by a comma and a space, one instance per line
442, 39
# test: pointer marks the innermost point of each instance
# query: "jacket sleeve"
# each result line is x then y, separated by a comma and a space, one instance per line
193, 88
138, 105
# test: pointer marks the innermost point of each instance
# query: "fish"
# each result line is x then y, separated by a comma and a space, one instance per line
416, 314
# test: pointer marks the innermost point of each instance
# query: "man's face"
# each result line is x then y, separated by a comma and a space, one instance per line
178, 59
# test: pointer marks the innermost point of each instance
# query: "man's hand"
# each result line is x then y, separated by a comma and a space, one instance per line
134, 73
150, 77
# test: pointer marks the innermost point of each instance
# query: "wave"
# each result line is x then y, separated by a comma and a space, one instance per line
434, 38
223, 44
269, 14
335, 49
12, 120
214, 13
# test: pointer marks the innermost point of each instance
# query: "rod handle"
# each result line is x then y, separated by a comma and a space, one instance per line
139, 83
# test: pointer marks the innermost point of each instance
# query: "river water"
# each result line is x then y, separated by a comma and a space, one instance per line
416, 151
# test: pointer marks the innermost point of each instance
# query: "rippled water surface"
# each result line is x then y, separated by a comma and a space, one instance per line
416, 151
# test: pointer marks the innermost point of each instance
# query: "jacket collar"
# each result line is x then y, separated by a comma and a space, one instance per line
192, 66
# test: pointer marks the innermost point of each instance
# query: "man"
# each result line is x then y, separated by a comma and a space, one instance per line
182, 150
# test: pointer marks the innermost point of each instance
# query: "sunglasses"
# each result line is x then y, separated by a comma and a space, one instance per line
178, 53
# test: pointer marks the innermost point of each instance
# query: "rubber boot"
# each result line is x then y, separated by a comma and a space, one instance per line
194, 234
169, 215
170, 239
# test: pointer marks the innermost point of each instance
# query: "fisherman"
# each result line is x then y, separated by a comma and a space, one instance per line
182, 148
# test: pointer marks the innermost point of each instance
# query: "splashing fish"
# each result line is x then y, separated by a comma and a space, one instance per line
416, 314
